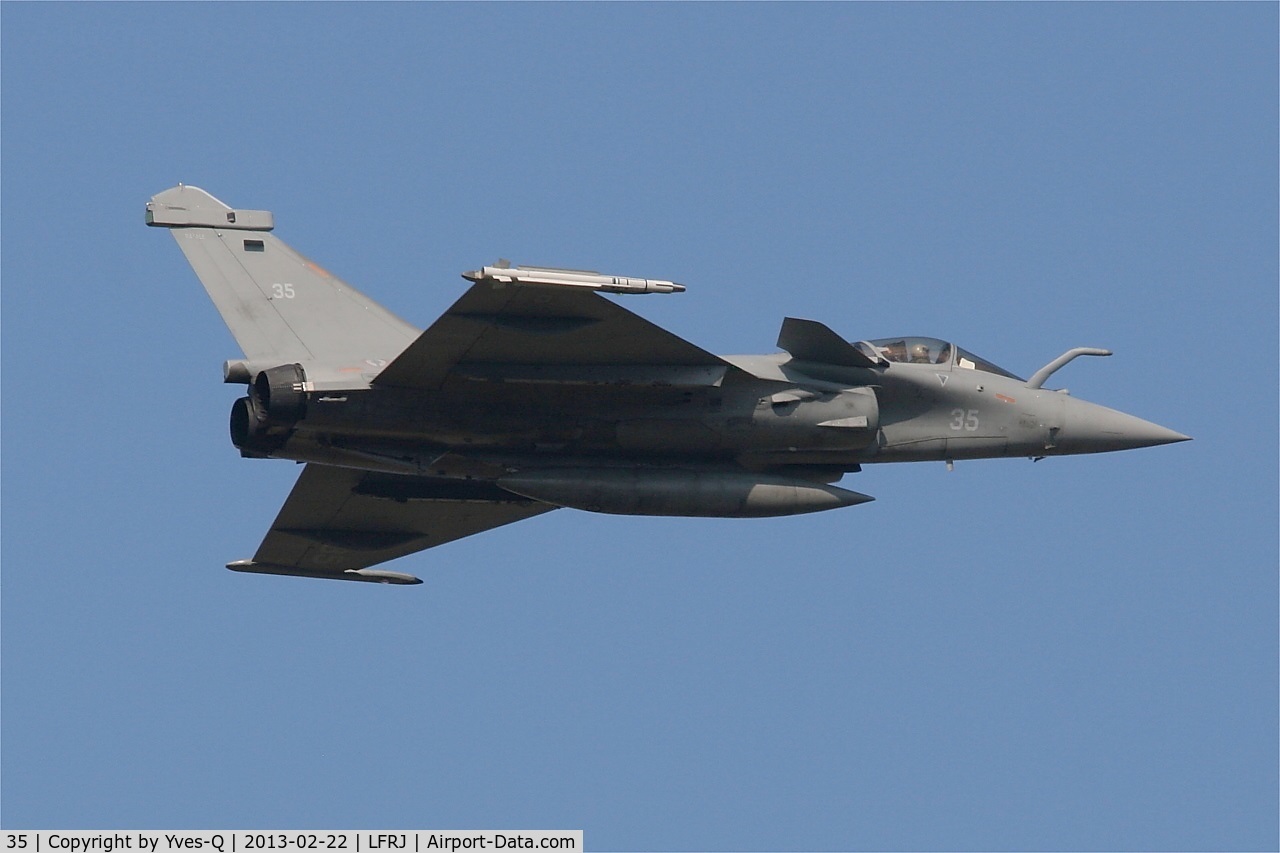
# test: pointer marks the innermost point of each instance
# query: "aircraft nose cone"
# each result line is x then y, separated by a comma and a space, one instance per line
1089, 428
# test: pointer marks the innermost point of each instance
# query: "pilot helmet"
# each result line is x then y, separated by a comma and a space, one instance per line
920, 352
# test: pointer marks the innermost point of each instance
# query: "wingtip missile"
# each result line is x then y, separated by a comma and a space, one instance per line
503, 273
384, 576
366, 575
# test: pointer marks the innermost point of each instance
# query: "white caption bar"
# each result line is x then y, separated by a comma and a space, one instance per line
264, 841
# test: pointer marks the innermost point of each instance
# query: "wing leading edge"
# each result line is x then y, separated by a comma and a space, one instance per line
338, 522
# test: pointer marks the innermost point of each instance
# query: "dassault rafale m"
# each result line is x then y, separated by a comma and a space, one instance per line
535, 392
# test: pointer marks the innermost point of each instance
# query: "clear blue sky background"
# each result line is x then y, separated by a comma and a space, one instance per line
1077, 654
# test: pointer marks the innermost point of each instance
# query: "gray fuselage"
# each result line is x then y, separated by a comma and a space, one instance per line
778, 414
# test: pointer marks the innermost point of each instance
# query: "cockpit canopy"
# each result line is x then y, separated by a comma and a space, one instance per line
929, 351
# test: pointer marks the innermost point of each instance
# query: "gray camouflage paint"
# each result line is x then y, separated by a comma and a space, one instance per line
533, 392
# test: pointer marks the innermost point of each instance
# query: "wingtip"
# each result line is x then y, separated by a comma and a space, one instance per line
384, 576
365, 575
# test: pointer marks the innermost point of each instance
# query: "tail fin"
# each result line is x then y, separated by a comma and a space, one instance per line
279, 306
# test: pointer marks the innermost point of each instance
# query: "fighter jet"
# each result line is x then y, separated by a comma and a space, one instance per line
534, 392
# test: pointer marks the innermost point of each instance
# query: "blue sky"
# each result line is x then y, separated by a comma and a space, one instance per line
1077, 654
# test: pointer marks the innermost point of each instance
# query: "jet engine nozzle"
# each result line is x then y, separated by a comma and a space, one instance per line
280, 394
263, 421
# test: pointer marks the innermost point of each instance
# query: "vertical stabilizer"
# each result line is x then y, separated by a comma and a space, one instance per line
280, 306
